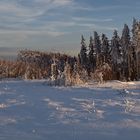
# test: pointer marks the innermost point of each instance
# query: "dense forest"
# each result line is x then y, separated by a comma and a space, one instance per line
100, 60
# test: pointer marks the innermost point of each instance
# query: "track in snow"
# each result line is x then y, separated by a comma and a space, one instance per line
32, 110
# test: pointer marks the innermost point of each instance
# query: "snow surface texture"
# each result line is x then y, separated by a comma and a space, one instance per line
31, 110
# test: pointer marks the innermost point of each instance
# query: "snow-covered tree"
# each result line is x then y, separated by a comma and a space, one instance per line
133, 30
125, 39
136, 48
126, 52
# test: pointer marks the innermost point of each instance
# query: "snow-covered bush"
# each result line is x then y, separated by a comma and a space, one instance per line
102, 73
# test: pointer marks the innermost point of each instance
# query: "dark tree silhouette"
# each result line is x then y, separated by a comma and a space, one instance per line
91, 55
83, 53
105, 49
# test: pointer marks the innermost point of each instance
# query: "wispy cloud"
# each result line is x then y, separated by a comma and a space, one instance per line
22, 20
93, 8
92, 19
15, 10
62, 2
25, 33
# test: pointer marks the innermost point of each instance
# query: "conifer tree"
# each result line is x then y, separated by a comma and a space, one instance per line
135, 44
126, 51
125, 39
105, 48
133, 29
91, 55
116, 47
97, 46
83, 53
116, 55
97, 42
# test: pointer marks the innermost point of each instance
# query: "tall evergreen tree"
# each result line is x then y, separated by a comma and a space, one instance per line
97, 46
116, 55
133, 28
97, 42
126, 51
83, 53
91, 55
125, 39
105, 48
116, 47
134, 47
91, 47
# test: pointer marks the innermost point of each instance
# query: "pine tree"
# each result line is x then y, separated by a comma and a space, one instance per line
91, 55
97, 46
116, 55
133, 29
83, 53
97, 42
105, 48
116, 47
136, 47
91, 47
126, 52
125, 39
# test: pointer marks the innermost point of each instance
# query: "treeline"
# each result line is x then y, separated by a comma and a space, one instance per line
33, 64
102, 59
120, 53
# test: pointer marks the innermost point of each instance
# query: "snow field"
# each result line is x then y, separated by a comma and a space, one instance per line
32, 110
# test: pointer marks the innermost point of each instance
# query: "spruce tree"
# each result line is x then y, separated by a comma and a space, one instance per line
135, 43
125, 39
133, 28
116, 47
97, 46
126, 52
116, 55
105, 49
91, 55
97, 42
83, 53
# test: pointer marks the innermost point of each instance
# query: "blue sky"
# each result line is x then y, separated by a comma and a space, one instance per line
58, 24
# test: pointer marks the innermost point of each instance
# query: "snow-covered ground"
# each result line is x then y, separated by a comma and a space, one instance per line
31, 110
